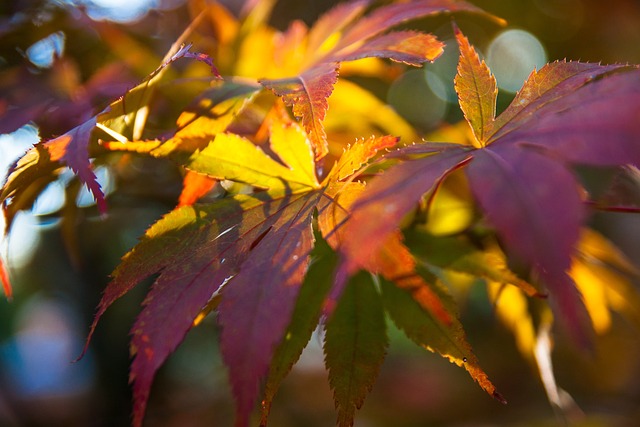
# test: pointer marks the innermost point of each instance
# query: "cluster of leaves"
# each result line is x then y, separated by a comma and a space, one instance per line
255, 256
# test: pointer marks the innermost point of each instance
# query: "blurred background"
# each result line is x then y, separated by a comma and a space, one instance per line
61, 60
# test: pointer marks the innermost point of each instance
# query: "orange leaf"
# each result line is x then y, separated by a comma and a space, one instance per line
476, 88
307, 94
4, 278
194, 186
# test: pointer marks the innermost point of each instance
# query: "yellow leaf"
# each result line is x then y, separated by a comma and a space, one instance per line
255, 58
291, 144
352, 107
602, 274
449, 213
513, 311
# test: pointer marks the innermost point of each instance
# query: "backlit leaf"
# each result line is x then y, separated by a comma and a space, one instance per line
253, 250
410, 47
308, 91
359, 154
393, 261
258, 303
303, 322
476, 88
604, 277
307, 94
27, 178
72, 150
332, 23
456, 253
521, 180
428, 332
194, 186
208, 115
533, 202
551, 82
122, 119
585, 126
368, 116
513, 311
388, 16
198, 249
232, 157
383, 202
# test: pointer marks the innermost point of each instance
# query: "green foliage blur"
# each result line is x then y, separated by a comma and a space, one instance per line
58, 281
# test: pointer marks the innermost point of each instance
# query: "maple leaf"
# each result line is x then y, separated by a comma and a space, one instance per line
355, 346
395, 263
122, 119
308, 91
427, 332
225, 247
304, 321
308, 94
459, 254
268, 231
567, 113
194, 187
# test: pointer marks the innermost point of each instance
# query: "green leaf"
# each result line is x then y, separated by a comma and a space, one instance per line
355, 346
422, 328
456, 253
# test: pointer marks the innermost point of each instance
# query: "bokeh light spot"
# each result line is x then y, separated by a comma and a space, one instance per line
43, 52
413, 99
512, 55
440, 73
116, 10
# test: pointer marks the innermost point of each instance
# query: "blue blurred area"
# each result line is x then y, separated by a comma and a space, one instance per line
36, 374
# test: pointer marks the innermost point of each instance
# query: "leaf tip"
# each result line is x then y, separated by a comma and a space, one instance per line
499, 397
456, 29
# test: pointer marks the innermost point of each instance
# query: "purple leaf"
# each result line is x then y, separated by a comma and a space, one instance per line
72, 150
534, 203
257, 304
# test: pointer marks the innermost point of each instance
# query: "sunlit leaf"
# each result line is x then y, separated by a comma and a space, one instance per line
308, 90
194, 186
383, 202
542, 227
604, 277
388, 16
521, 180
307, 94
409, 47
355, 157
512, 309
477, 90
258, 303
122, 119
458, 254
320, 40
303, 322
370, 115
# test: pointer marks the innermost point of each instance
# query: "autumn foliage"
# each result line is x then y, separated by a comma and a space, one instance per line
298, 190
